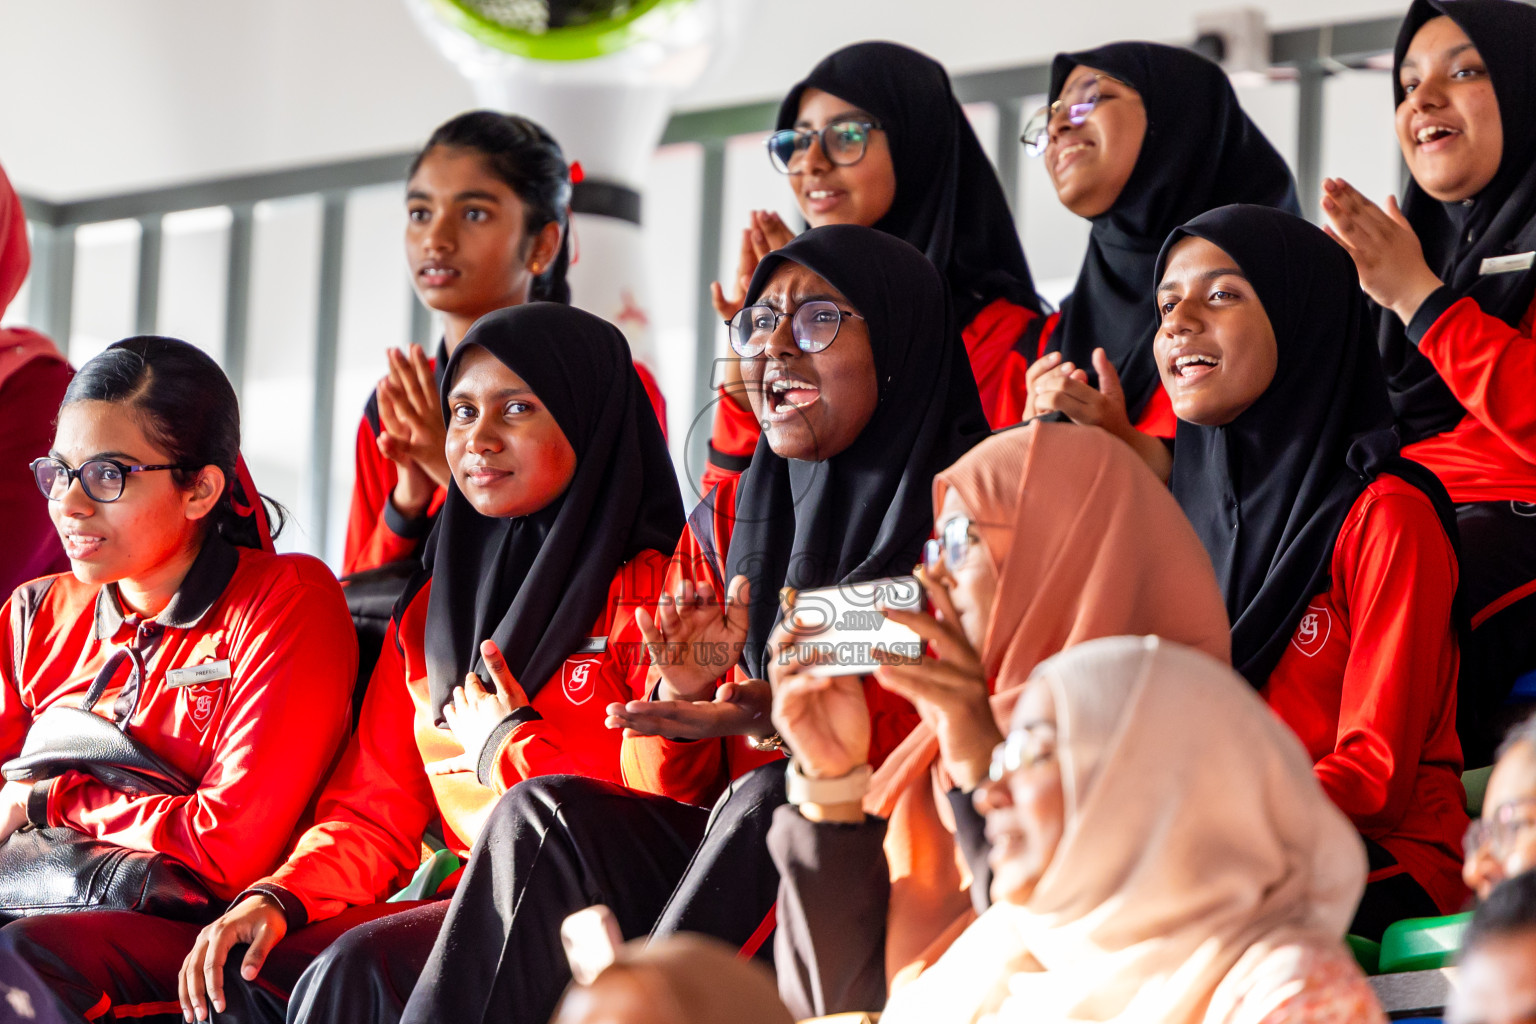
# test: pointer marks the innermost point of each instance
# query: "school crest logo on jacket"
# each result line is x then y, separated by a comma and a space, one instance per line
1313, 631
579, 677
201, 703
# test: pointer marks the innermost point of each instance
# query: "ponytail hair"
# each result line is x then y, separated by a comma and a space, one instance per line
529, 160
188, 408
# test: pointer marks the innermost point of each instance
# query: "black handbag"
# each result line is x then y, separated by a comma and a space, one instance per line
49, 870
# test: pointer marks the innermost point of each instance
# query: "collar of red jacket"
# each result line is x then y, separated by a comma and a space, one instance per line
211, 572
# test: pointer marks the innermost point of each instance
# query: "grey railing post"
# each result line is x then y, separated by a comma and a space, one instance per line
706, 330
237, 294
333, 227
1010, 122
53, 281
146, 309
1309, 137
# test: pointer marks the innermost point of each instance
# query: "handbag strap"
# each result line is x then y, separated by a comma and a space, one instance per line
128, 700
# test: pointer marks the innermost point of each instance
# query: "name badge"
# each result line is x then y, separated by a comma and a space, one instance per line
1508, 264
593, 645
196, 675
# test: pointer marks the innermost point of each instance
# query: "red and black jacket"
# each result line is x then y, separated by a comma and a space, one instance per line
272, 629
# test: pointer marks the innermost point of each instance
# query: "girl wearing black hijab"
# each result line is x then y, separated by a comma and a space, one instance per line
874, 136
863, 384
1138, 138
496, 668
1453, 277
1335, 554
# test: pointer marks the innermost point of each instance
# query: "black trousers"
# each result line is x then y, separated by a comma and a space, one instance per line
97, 964
1391, 894
1498, 584
557, 845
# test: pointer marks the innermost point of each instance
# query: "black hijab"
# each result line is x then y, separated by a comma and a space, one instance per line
948, 200
536, 583
863, 513
1269, 492
1200, 152
1457, 237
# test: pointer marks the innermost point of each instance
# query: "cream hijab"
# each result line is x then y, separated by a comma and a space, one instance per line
1087, 543
1195, 831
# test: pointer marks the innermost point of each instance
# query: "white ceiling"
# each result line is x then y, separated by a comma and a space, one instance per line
107, 95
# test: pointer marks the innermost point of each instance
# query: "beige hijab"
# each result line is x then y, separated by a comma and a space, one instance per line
1195, 831
1087, 543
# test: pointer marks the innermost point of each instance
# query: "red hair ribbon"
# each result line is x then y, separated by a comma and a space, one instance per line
247, 502
577, 174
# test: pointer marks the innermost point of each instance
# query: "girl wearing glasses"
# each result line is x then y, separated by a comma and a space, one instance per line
33, 375
1335, 553
1453, 276
1048, 535
1138, 139
177, 623
487, 204
875, 136
861, 416
1159, 853
497, 666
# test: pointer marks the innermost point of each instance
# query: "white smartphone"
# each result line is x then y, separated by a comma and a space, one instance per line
843, 626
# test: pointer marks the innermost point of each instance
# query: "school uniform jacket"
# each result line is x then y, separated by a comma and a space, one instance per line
1490, 367
259, 739
697, 772
377, 533
1368, 683
377, 804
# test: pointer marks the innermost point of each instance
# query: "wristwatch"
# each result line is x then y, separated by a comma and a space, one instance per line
845, 789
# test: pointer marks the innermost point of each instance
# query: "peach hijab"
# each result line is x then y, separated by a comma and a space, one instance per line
1198, 853
1087, 543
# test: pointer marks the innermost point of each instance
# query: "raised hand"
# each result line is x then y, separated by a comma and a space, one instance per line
475, 712
824, 720
948, 687
693, 639
738, 709
1386, 251
411, 416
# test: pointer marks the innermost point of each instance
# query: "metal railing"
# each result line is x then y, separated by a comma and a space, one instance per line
1308, 55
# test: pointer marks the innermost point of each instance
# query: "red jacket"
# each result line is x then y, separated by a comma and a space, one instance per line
1490, 367
697, 772
999, 342
377, 534
1369, 684
259, 740
376, 806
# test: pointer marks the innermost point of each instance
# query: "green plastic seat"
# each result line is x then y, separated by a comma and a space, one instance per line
1421, 943
429, 877
1475, 782
1367, 953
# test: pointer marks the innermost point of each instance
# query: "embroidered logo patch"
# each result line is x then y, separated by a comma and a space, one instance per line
1313, 631
201, 703
579, 677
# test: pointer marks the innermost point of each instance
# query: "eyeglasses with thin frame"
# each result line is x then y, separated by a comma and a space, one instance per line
102, 479
1028, 747
843, 142
814, 326
1500, 828
953, 544
1078, 101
